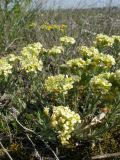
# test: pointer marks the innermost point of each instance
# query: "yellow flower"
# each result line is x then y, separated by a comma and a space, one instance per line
56, 50
103, 40
107, 60
50, 27
31, 64
59, 84
12, 57
88, 51
100, 84
76, 63
46, 111
67, 40
102, 60
5, 67
32, 49
64, 121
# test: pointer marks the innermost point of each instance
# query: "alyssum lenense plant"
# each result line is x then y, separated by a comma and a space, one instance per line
74, 99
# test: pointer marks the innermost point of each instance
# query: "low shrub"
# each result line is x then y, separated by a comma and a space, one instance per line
61, 97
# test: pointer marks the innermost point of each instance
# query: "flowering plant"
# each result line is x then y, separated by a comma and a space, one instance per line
71, 99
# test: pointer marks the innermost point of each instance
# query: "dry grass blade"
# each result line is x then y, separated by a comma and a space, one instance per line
5, 150
107, 156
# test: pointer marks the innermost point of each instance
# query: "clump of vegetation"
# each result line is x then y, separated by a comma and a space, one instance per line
58, 94
109, 143
60, 99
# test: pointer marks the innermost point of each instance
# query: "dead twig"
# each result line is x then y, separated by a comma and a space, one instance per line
5, 150
108, 155
29, 130
37, 155
10, 45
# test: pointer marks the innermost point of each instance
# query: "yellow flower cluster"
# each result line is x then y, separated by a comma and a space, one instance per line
95, 58
107, 75
76, 63
102, 60
50, 27
107, 60
67, 40
32, 49
29, 59
88, 51
64, 121
91, 57
5, 67
56, 50
31, 64
101, 83
12, 57
103, 40
59, 84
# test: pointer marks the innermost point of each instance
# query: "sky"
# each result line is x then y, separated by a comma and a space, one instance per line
80, 3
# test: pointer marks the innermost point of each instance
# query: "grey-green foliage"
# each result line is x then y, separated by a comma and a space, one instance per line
14, 16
